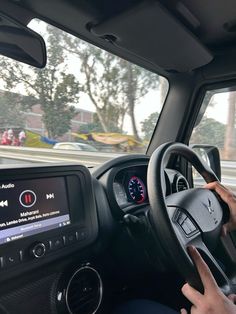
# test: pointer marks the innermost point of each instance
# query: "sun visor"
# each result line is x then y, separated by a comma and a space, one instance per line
151, 32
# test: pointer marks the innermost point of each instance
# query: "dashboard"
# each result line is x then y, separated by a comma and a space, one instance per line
55, 221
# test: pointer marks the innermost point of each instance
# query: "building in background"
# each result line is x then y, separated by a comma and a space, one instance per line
31, 119
34, 123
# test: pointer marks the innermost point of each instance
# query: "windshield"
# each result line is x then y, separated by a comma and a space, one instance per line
86, 102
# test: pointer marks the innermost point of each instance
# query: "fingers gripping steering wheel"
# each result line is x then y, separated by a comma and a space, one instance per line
190, 217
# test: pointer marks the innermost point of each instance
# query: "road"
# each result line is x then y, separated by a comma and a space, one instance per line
23, 155
19, 155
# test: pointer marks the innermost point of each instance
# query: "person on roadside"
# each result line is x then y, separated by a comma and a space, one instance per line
4, 139
10, 136
22, 138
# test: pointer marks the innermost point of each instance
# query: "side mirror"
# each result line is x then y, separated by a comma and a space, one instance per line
21, 43
210, 154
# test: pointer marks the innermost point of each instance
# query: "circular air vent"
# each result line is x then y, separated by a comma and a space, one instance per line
181, 184
84, 291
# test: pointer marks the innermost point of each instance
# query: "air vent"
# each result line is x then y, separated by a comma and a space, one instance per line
84, 291
181, 184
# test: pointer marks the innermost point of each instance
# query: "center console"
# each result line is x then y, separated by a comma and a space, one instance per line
46, 212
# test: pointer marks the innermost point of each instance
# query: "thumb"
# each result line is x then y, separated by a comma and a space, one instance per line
183, 311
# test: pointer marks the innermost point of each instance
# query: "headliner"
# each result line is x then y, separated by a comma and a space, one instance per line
209, 26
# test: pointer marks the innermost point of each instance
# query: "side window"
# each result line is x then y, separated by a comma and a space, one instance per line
216, 125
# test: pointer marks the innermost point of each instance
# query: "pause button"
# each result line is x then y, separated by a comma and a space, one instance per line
27, 198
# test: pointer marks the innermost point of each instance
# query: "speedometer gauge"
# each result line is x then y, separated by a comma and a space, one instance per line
137, 190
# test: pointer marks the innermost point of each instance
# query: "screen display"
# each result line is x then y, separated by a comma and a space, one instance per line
28, 207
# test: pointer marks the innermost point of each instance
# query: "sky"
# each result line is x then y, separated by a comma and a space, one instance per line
219, 110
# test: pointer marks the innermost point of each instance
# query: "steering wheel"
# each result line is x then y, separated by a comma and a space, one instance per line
190, 217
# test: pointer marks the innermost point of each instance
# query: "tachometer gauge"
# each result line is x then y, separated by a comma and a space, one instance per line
137, 190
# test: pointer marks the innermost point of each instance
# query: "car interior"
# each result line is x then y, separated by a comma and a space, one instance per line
119, 230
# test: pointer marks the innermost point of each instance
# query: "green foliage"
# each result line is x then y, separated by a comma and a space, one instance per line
209, 131
89, 128
34, 140
148, 125
53, 87
96, 126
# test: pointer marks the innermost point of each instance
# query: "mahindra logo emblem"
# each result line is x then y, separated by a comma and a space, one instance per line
209, 208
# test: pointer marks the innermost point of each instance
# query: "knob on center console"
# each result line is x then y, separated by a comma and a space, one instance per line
38, 250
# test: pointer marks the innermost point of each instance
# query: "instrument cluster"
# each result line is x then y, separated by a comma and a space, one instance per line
130, 186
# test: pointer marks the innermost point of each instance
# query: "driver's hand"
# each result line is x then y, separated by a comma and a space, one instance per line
228, 197
213, 301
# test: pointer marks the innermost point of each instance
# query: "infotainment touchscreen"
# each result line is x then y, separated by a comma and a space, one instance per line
28, 207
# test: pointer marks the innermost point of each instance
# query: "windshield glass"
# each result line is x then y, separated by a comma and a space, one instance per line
86, 102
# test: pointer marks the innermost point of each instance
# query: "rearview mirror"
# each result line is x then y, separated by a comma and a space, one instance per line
19, 42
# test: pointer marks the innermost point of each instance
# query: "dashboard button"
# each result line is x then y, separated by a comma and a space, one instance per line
70, 238
10, 259
38, 250
27, 198
56, 243
81, 234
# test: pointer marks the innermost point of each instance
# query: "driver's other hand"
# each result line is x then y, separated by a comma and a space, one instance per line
213, 301
228, 197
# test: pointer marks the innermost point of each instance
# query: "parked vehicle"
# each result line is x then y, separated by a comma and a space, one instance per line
75, 146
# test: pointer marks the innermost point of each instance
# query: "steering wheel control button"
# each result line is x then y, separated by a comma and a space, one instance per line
38, 250
27, 198
56, 243
190, 225
185, 223
186, 229
181, 218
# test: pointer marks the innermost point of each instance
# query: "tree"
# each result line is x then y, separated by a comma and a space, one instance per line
115, 86
209, 131
11, 114
135, 84
148, 125
95, 126
54, 88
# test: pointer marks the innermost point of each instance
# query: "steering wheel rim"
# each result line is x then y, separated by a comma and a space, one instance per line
162, 220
